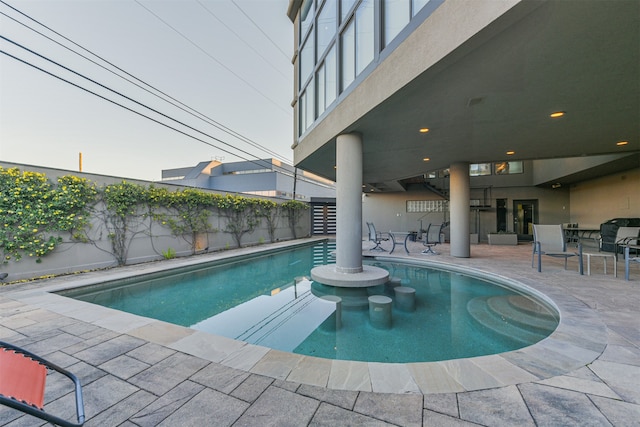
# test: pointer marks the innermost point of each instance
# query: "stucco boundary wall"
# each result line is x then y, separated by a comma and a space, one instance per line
151, 240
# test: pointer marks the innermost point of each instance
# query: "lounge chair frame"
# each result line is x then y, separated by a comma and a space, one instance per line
428, 239
376, 237
550, 240
626, 236
36, 362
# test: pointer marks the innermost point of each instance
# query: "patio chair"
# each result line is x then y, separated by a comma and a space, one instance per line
626, 236
550, 240
22, 384
628, 258
376, 237
432, 237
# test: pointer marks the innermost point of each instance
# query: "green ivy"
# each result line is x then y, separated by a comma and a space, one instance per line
126, 206
268, 211
34, 211
186, 212
240, 213
293, 210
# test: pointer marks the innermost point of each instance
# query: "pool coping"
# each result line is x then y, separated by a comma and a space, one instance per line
578, 340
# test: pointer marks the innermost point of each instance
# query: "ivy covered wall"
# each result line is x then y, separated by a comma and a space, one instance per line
53, 223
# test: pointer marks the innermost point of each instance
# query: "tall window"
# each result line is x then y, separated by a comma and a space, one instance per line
365, 35
358, 43
396, 16
338, 41
327, 25
327, 89
306, 111
417, 5
345, 8
307, 17
307, 59
348, 57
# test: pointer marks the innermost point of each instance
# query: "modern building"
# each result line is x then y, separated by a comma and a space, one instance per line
264, 177
491, 114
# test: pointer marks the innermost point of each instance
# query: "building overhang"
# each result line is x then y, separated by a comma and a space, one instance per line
494, 92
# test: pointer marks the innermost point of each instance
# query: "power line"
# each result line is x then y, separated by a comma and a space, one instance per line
256, 51
173, 101
259, 162
261, 30
116, 103
213, 58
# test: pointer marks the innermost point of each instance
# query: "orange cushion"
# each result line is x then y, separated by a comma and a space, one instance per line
22, 378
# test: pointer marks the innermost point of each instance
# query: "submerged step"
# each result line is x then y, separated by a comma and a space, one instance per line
480, 311
282, 320
522, 311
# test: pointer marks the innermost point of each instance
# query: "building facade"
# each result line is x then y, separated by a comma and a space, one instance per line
532, 96
264, 177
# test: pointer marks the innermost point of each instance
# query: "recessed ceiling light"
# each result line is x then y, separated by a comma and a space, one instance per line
424, 130
621, 143
426, 159
510, 153
557, 114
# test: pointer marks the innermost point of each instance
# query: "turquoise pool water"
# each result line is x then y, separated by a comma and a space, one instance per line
268, 300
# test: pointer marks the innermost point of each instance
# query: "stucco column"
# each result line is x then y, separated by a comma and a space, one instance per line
459, 209
349, 203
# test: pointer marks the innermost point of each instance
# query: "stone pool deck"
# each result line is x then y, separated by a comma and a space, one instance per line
141, 372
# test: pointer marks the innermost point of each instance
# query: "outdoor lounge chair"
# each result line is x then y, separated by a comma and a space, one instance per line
22, 384
432, 237
628, 258
550, 240
376, 237
626, 236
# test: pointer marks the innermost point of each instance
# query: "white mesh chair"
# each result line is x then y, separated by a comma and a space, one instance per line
432, 237
376, 237
628, 258
626, 236
550, 240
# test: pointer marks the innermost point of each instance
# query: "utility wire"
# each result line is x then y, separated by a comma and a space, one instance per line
256, 51
122, 95
288, 58
121, 105
258, 162
212, 57
173, 101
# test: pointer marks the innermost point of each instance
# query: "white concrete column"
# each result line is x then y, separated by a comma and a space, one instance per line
459, 209
349, 203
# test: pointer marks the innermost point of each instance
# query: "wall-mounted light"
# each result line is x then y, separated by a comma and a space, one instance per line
510, 153
622, 143
424, 130
426, 159
556, 185
557, 114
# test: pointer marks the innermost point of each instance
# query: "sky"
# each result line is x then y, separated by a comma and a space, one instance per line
225, 63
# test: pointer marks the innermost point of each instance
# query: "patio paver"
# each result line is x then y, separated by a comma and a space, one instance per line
139, 372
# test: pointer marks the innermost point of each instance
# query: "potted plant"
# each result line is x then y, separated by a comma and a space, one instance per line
503, 238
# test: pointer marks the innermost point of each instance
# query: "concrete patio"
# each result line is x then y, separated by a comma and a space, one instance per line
141, 372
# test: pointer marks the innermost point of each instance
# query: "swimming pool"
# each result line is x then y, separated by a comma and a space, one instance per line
266, 300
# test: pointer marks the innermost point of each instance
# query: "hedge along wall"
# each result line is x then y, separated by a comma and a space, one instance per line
55, 222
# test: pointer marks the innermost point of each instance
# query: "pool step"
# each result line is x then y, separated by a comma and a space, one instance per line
497, 313
280, 321
524, 312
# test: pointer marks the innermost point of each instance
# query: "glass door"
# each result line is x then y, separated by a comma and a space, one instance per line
525, 214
